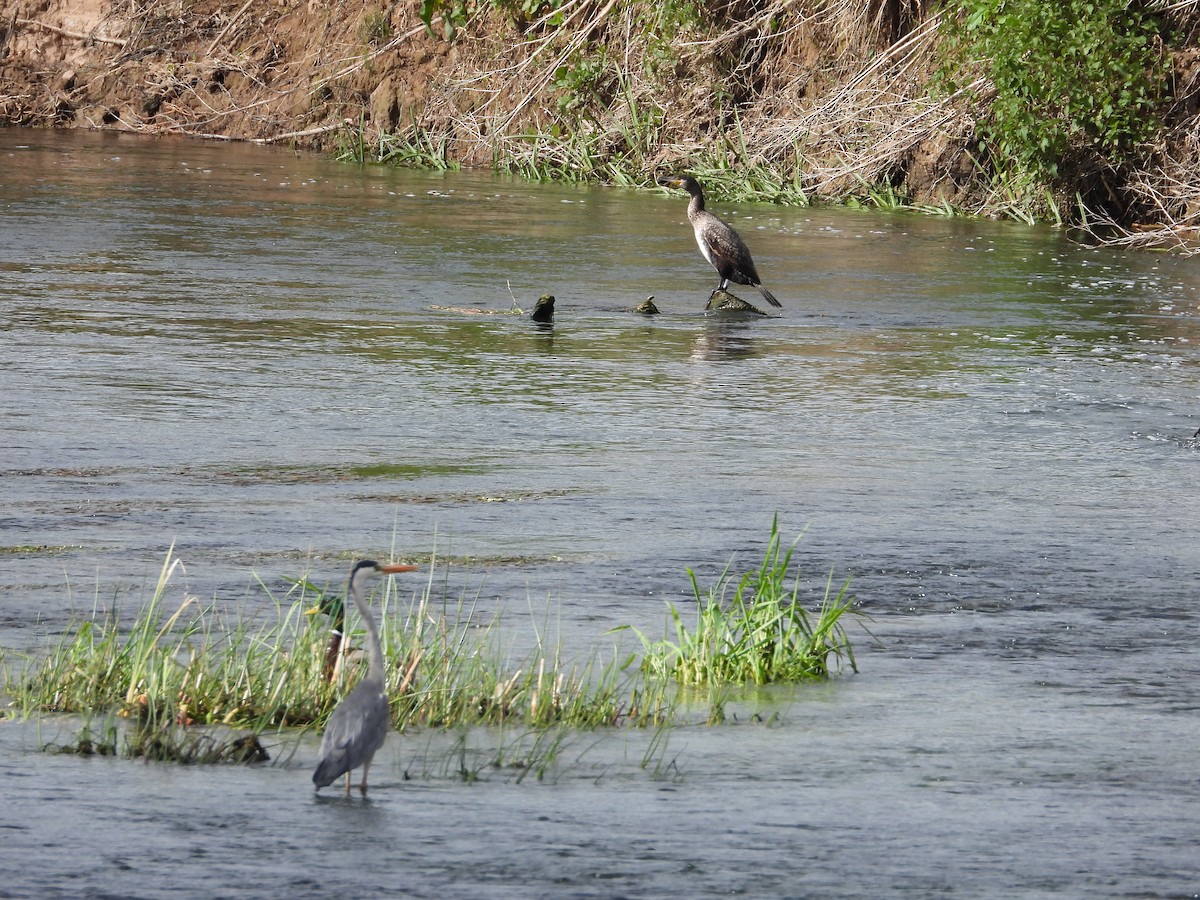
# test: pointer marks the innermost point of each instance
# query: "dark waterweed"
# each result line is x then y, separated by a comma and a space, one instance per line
182, 678
150, 740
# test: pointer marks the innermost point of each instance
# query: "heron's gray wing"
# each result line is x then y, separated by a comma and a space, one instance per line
355, 731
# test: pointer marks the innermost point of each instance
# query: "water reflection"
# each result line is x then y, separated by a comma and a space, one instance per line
724, 341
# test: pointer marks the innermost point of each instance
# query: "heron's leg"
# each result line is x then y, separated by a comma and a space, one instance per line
363, 787
347, 783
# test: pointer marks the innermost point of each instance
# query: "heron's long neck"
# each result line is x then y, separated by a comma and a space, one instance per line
374, 649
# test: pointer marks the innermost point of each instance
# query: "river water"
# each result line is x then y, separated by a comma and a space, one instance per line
270, 361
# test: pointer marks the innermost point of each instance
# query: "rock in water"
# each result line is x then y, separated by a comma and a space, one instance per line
543, 310
723, 301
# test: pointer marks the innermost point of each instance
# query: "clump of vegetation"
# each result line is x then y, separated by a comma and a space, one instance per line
193, 666
375, 28
763, 635
164, 742
178, 676
1069, 85
88, 743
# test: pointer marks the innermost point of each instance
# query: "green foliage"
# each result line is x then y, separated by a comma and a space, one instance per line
1071, 78
181, 679
619, 151
454, 14
415, 148
584, 82
662, 24
195, 668
352, 144
762, 636
523, 12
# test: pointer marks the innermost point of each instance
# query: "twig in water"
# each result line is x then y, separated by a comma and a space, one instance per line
307, 132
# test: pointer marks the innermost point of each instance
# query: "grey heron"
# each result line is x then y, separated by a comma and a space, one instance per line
358, 727
720, 244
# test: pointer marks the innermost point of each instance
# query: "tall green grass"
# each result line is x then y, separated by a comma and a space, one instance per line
762, 635
184, 672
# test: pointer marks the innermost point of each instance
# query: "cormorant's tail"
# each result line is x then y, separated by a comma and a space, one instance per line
770, 298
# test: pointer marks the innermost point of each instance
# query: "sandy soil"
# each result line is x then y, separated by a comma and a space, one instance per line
260, 70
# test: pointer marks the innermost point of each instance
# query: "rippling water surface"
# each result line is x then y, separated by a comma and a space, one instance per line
271, 360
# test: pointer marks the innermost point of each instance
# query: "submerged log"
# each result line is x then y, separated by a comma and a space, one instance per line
543, 310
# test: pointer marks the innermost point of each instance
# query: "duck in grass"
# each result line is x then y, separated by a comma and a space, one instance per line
335, 650
720, 244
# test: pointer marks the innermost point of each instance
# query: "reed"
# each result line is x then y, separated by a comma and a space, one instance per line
181, 676
198, 666
763, 635
474, 754
193, 666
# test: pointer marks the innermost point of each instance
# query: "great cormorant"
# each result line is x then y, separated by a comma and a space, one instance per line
720, 244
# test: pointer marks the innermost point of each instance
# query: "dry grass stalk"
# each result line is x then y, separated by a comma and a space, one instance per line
1168, 197
221, 34
91, 38
865, 128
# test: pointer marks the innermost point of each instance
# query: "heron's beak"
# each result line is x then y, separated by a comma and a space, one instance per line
393, 569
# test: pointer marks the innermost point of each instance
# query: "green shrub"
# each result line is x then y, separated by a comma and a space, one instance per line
1073, 79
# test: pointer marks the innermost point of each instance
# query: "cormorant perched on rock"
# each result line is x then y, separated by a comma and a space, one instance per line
719, 243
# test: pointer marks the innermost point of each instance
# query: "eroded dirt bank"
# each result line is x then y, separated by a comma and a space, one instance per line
260, 70
283, 71
817, 98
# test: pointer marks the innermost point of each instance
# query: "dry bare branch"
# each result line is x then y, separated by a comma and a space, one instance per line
93, 38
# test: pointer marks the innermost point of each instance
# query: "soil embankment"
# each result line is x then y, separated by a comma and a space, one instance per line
775, 99
305, 73
260, 70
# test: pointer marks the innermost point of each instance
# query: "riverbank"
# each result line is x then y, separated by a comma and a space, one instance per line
790, 102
